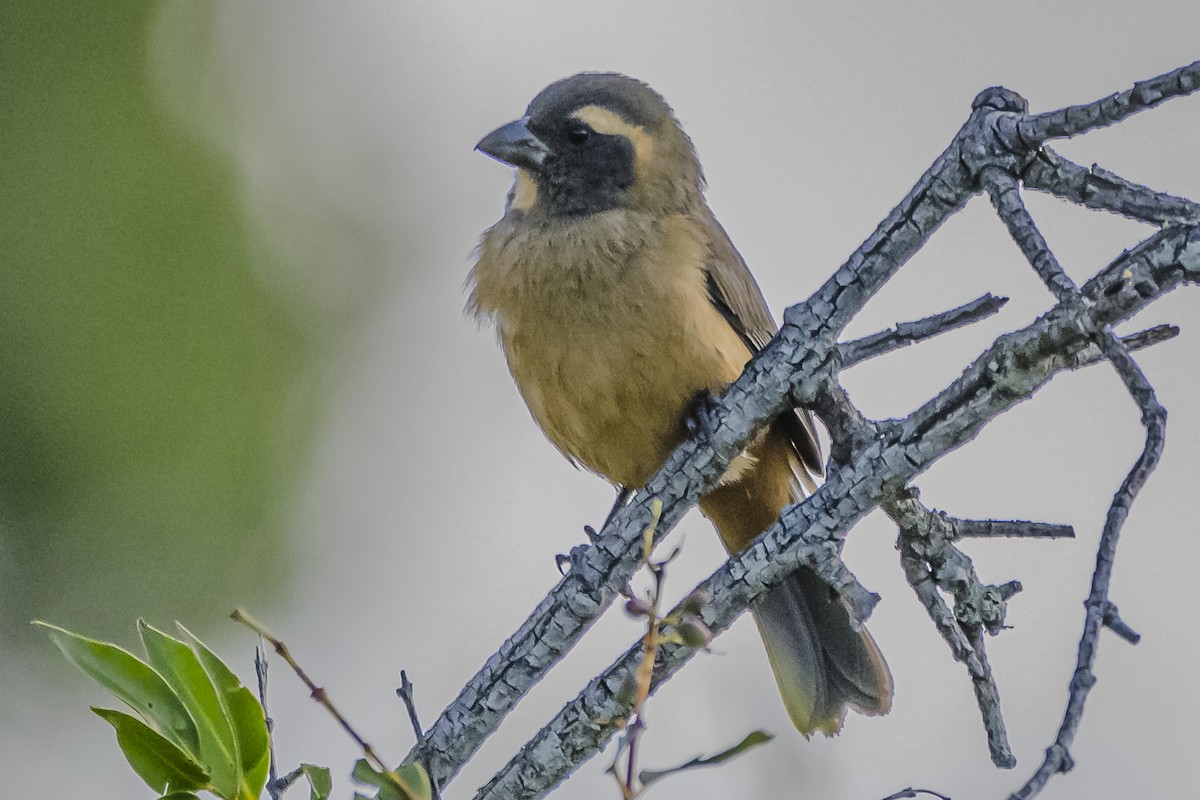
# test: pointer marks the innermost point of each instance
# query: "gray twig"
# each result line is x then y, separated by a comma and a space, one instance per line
1006, 198
1112, 620
281, 785
1011, 528
907, 794
1074, 120
931, 562
906, 333
1098, 188
274, 787
405, 693
1099, 610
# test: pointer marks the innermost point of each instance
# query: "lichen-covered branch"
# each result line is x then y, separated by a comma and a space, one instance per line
932, 562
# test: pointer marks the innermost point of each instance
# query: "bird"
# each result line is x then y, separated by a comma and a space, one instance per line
621, 304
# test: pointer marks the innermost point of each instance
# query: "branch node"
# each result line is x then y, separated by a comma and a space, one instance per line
1060, 756
1112, 620
1000, 98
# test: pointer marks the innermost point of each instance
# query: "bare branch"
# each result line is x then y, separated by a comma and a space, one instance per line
1112, 620
316, 692
405, 693
932, 562
1149, 337
909, 793
1074, 120
1014, 528
274, 789
1099, 610
1006, 197
907, 333
1100, 189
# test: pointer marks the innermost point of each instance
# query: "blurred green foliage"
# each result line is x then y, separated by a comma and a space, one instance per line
149, 414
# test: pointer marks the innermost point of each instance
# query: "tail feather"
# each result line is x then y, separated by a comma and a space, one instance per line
821, 664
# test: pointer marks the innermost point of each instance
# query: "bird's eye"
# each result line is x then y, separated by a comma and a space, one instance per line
578, 135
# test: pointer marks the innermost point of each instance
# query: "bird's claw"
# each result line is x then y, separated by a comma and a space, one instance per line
700, 420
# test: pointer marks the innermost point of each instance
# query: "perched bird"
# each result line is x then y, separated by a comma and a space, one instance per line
619, 300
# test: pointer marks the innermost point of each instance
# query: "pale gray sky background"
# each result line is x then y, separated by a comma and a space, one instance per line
433, 507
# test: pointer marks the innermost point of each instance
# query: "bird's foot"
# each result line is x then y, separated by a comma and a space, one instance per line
701, 415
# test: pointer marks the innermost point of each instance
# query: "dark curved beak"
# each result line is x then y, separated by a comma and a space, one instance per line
515, 145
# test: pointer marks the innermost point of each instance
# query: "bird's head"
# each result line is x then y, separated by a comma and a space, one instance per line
596, 142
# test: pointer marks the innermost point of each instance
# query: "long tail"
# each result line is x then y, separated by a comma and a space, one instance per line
822, 664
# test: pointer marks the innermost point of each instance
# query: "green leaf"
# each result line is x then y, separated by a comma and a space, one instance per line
250, 728
363, 772
180, 796
246, 717
180, 667
415, 781
753, 739
156, 760
133, 682
407, 782
320, 784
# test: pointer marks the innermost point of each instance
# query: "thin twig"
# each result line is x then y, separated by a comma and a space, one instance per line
405, 693
1093, 354
907, 333
645, 669
260, 671
1010, 528
1112, 620
644, 673
931, 561
1074, 120
1006, 198
906, 794
317, 693
1149, 337
281, 785
1098, 188
1100, 611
